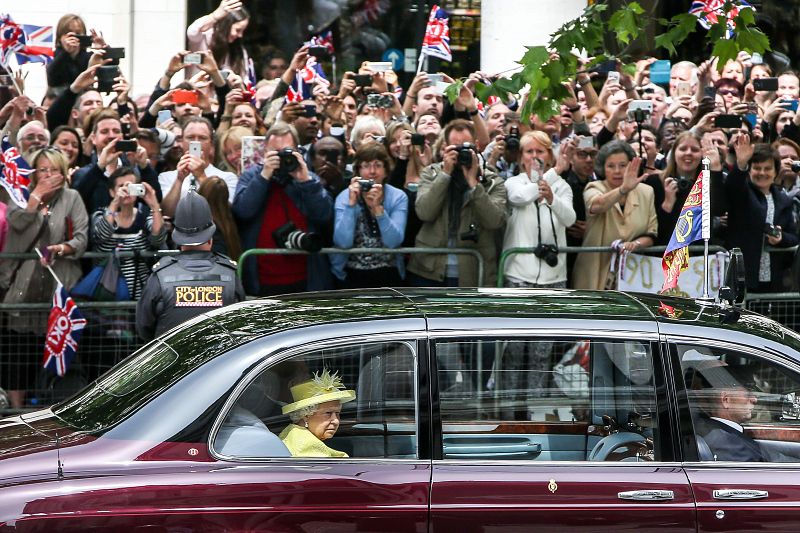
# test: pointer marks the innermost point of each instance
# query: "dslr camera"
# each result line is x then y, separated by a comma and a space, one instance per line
547, 253
366, 185
512, 139
796, 167
684, 184
291, 238
464, 154
288, 164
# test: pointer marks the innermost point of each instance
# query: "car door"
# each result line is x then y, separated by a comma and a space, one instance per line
741, 434
383, 483
561, 431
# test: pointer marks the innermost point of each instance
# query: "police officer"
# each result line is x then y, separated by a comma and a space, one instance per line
192, 282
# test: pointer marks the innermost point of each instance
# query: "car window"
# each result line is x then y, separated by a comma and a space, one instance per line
744, 407
350, 401
564, 400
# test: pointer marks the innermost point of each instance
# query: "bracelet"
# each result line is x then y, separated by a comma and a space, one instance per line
584, 83
226, 117
472, 113
169, 74
36, 197
574, 109
61, 249
623, 193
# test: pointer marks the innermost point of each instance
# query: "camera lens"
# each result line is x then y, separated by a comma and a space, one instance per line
683, 184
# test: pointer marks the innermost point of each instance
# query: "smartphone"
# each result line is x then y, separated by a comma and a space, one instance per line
379, 66
127, 145
793, 105
435, 78
771, 230
164, 115
710, 92
728, 121
757, 59
765, 84
644, 105
184, 96
196, 148
85, 41
363, 80
585, 142
106, 78
310, 111
752, 119
417, 139
114, 54
659, 71
320, 52
684, 88
126, 128
136, 189
194, 58
613, 76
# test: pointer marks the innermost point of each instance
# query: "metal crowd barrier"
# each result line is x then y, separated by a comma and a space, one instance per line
456, 251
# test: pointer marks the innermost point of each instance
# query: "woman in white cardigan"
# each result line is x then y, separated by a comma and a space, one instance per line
541, 210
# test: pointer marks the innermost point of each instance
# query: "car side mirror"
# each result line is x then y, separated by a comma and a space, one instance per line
735, 287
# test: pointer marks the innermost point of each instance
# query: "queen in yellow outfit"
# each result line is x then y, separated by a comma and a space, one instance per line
315, 415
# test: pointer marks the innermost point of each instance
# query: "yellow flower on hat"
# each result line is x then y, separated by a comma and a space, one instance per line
323, 387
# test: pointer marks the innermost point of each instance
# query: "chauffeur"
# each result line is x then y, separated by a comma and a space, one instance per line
192, 282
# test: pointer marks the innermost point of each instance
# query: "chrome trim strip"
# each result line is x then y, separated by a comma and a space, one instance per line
543, 330
740, 494
781, 359
280, 356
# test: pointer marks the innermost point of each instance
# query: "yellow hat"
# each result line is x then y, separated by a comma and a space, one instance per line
325, 387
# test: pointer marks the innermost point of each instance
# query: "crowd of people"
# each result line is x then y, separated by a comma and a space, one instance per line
370, 164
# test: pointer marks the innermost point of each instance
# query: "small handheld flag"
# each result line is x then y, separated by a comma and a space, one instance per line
64, 328
28, 43
437, 35
709, 11
14, 174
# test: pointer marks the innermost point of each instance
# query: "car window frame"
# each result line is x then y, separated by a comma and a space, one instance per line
688, 449
413, 340
664, 403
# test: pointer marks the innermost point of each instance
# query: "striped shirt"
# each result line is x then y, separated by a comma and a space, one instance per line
139, 236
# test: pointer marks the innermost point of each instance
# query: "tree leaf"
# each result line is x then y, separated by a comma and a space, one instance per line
625, 24
725, 50
452, 90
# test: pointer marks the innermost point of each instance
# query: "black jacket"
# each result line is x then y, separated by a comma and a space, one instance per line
747, 213
63, 69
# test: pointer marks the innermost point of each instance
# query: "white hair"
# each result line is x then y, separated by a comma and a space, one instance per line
24, 129
364, 123
689, 65
298, 415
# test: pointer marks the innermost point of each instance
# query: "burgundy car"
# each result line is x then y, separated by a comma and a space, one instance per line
474, 410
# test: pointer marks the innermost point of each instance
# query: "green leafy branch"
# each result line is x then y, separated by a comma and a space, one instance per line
546, 70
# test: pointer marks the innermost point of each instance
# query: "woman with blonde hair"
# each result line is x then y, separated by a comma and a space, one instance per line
226, 238
229, 148
55, 223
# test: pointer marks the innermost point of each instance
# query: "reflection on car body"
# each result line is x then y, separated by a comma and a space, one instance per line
461, 409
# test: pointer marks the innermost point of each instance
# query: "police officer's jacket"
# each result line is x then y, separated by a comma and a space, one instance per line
184, 286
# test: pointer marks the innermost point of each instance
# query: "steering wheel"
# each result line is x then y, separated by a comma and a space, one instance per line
614, 442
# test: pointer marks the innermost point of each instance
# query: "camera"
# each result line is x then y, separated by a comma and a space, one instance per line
471, 234
291, 238
684, 184
379, 100
796, 167
464, 155
417, 139
512, 139
366, 184
126, 145
771, 230
547, 253
288, 164
136, 189
193, 59
363, 80
85, 41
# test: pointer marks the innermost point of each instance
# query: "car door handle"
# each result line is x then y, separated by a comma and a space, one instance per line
647, 495
740, 494
489, 449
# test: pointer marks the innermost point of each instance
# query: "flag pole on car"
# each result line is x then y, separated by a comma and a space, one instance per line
706, 202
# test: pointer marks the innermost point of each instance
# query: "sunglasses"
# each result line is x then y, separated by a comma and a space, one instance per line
726, 92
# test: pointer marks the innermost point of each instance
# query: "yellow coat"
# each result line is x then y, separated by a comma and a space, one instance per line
302, 443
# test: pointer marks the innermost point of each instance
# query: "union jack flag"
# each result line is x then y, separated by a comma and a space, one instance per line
437, 35
14, 174
709, 11
249, 91
27, 42
311, 74
324, 39
64, 328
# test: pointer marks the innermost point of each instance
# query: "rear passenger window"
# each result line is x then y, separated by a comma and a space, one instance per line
744, 408
352, 401
543, 400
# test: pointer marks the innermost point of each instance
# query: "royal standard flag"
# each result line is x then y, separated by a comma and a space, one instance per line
693, 225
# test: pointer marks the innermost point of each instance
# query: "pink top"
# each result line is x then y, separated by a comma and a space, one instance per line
200, 41
3, 225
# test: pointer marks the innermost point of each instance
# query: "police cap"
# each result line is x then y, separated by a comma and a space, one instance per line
193, 224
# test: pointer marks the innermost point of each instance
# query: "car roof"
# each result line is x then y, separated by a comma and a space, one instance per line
252, 319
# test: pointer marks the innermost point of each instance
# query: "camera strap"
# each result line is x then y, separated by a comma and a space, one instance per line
539, 224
